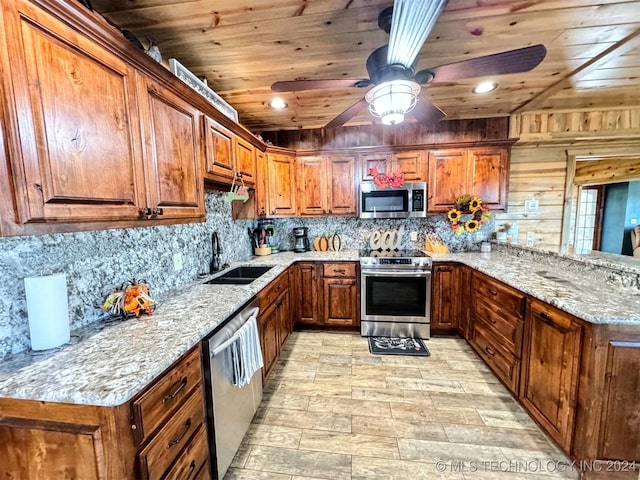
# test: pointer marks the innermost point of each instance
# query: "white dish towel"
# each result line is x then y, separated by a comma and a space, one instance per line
246, 353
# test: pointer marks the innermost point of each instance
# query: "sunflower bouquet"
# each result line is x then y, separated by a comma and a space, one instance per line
471, 208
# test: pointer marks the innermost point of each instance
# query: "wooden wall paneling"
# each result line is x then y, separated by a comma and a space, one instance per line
173, 151
342, 185
607, 171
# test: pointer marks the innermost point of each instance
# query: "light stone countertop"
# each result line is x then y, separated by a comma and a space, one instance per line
108, 365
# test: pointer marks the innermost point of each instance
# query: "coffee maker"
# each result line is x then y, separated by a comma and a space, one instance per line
301, 243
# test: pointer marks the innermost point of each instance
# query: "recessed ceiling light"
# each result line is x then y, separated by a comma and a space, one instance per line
278, 104
485, 87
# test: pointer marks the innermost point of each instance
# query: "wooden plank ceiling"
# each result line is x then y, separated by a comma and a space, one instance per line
243, 46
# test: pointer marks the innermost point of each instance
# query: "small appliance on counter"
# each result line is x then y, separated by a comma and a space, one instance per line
216, 250
301, 242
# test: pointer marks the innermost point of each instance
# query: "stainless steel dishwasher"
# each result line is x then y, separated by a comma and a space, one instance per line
230, 409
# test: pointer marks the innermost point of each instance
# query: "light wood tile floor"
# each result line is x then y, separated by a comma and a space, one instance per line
332, 410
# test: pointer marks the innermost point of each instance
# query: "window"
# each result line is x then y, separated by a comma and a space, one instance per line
589, 219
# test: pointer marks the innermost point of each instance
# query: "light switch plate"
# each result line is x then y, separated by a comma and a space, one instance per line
531, 205
414, 236
530, 239
177, 261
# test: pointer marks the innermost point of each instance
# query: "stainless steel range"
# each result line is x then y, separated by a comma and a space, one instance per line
395, 293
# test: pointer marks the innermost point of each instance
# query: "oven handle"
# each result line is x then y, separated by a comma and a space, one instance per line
394, 273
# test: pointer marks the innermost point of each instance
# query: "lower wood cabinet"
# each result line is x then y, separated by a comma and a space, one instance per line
327, 293
551, 368
160, 433
274, 321
447, 296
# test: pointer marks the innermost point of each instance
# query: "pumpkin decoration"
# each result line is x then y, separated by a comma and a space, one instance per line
130, 300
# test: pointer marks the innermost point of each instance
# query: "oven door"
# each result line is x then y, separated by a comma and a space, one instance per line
395, 303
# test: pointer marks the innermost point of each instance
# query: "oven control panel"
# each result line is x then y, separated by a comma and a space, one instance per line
390, 262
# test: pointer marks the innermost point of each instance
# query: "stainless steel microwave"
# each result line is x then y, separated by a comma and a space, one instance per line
408, 201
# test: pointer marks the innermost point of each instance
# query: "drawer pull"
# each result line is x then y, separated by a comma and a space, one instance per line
493, 292
489, 350
192, 468
187, 426
171, 396
491, 320
339, 270
544, 315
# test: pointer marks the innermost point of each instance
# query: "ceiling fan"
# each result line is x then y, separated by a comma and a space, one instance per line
391, 68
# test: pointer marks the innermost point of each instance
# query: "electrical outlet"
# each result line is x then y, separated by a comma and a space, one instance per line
479, 236
531, 205
177, 261
530, 239
414, 236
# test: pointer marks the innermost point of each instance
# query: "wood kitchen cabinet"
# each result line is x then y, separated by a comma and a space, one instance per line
340, 294
73, 130
481, 171
550, 370
326, 185
245, 160
281, 195
152, 436
447, 296
496, 327
274, 320
412, 163
172, 150
220, 155
305, 294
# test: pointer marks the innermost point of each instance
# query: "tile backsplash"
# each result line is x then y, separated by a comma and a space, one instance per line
97, 262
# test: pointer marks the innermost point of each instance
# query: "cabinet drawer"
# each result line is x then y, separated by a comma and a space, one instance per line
155, 406
507, 330
506, 299
503, 364
173, 437
192, 459
273, 290
340, 270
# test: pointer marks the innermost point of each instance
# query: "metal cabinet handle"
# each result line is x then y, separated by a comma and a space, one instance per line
544, 315
493, 292
491, 320
157, 211
489, 350
145, 212
171, 396
192, 468
175, 441
340, 270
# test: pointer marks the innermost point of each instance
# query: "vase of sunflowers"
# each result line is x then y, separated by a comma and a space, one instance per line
468, 214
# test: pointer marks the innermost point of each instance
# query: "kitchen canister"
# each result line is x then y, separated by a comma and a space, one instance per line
48, 310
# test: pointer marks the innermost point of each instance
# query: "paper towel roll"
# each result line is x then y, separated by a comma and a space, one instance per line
48, 309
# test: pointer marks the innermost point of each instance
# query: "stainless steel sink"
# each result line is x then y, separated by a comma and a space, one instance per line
240, 276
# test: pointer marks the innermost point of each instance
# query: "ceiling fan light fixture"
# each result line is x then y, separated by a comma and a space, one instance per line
485, 87
390, 101
278, 104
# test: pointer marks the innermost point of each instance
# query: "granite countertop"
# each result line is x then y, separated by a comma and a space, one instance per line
108, 364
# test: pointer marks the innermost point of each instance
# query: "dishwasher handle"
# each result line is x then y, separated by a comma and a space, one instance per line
224, 345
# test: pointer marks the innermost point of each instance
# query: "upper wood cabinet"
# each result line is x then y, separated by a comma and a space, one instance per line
281, 197
219, 149
326, 185
481, 171
412, 163
73, 128
172, 150
245, 160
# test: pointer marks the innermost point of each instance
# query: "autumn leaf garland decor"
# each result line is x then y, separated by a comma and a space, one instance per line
467, 214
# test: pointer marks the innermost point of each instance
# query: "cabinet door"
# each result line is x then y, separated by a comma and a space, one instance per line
381, 161
245, 161
341, 186
172, 150
340, 301
488, 176
282, 192
465, 292
306, 294
412, 164
550, 376
311, 179
447, 178
621, 435
268, 326
445, 307
219, 152
76, 149
262, 184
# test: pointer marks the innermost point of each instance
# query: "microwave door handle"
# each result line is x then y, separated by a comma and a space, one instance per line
389, 273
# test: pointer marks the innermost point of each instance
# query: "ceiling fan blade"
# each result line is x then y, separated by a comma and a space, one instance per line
411, 24
299, 85
426, 112
512, 61
347, 115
